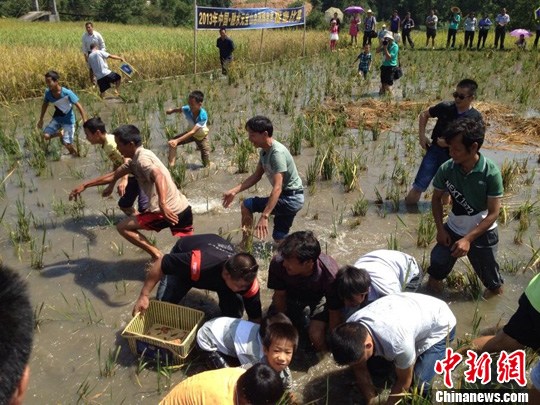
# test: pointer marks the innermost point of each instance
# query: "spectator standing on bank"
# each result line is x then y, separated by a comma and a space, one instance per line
337, 20
470, 24
91, 37
483, 28
453, 27
353, 29
431, 28
226, 48
370, 25
501, 22
334, 35
406, 27
395, 22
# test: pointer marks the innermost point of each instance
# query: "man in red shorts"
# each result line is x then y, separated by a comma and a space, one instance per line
168, 207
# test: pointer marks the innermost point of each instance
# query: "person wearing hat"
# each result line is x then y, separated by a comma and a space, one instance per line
389, 50
453, 27
370, 23
382, 33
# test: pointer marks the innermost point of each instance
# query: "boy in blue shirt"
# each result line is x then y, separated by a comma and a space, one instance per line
197, 118
365, 61
63, 119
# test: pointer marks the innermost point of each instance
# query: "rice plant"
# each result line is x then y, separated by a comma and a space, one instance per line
179, 173
349, 173
360, 207
243, 152
108, 369
426, 231
22, 230
509, 172
37, 252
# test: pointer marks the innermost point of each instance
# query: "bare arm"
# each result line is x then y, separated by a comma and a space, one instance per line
117, 57
422, 122
42, 114
161, 189
364, 382
437, 209
402, 384
111, 177
279, 300
228, 196
81, 111
334, 319
152, 278
261, 229
462, 246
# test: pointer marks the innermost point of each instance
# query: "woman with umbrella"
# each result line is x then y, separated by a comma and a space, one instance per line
355, 22
521, 34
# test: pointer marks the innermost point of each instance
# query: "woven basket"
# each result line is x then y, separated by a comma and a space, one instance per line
163, 314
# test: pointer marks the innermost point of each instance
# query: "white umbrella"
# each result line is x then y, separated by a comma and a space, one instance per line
329, 14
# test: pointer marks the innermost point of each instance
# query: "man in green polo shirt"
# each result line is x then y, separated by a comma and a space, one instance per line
475, 186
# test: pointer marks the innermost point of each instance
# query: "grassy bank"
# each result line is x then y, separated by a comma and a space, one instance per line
33, 48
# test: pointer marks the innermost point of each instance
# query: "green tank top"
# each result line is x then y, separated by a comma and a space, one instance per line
532, 292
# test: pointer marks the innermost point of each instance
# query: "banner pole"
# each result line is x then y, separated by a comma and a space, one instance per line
262, 34
304, 39
195, 39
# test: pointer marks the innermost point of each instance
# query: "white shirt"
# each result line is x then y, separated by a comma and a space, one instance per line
98, 63
390, 271
88, 40
405, 325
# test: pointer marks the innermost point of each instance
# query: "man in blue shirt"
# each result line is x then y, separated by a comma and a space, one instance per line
63, 120
226, 48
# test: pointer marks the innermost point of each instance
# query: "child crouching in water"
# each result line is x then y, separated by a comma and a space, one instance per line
273, 343
197, 118
365, 61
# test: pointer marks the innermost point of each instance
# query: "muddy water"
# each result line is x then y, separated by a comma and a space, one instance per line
91, 276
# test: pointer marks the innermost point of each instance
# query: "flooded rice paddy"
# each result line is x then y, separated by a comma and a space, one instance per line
84, 278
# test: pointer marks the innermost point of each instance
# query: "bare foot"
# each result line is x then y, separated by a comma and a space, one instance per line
492, 293
435, 285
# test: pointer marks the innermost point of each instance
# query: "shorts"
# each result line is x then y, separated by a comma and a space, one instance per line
284, 211
524, 325
431, 32
156, 221
105, 82
387, 75
69, 130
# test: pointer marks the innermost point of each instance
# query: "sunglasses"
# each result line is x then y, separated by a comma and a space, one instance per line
460, 96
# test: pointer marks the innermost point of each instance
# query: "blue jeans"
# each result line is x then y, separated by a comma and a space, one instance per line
284, 211
481, 255
424, 368
433, 159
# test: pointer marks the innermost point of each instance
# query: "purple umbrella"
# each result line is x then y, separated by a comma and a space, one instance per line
354, 10
520, 31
